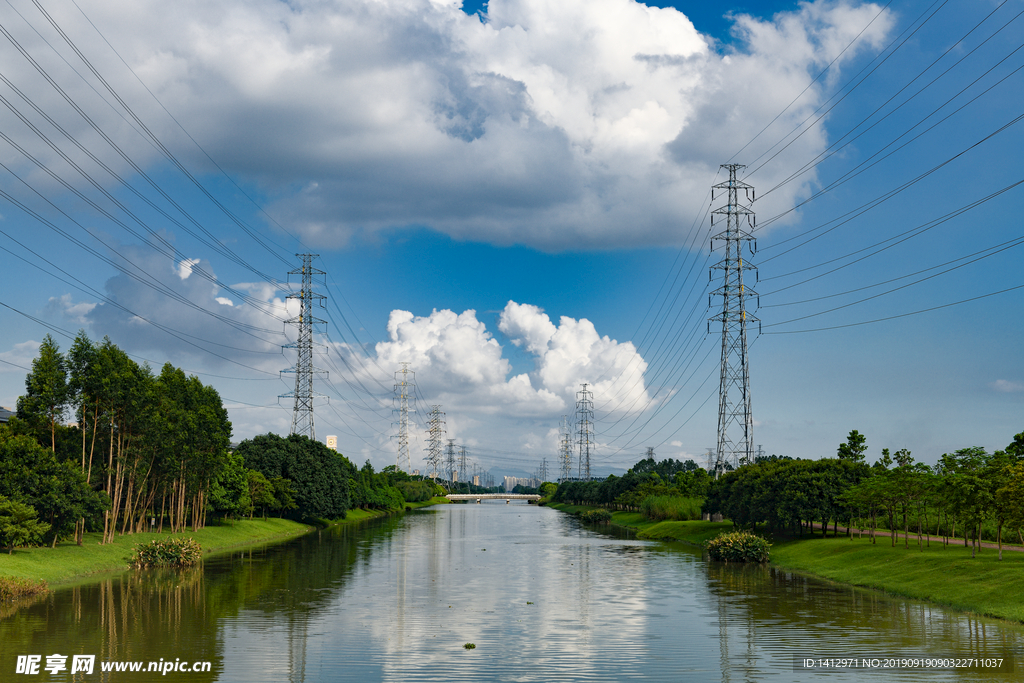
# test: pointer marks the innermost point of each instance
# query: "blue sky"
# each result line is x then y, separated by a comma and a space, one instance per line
514, 199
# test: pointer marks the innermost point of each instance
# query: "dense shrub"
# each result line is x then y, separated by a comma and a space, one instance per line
658, 508
12, 588
738, 546
374, 490
170, 552
18, 525
598, 516
415, 491
56, 491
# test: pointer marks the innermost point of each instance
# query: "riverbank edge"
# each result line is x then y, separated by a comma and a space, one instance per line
65, 565
982, 586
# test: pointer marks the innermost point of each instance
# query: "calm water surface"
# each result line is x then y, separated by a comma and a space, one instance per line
540, 596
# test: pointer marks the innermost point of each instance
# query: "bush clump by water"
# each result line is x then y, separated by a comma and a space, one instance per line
738, 546
597, 516
659, 508
171, 552
13, 589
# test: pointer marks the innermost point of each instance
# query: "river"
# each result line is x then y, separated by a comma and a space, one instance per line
541, 597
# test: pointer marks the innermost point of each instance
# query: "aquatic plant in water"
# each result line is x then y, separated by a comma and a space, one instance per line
171, 552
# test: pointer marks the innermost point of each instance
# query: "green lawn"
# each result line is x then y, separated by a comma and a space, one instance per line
943, 575
436, 500
69, 562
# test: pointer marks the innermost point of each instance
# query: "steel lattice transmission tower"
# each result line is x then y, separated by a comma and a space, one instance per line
449, 451
403, 385
565, 451
436, 435
463, 474
302, 413
585, 421
735, 421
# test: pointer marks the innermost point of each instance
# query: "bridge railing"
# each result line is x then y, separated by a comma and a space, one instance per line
493, 496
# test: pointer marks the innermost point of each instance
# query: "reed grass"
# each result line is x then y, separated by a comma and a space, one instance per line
677, 508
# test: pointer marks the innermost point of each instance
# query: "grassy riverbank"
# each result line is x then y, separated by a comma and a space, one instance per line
695, 532
70, 563
943, 575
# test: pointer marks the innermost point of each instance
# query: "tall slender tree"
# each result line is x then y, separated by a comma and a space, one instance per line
46, 390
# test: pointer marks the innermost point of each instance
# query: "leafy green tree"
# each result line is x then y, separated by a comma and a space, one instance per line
46, 390
693, 483
260, 492
82, 380
910, 485
1016, 449
18, 524
319, 475
395, 474
1010, 497
666, 469
998, 473
194, 437
966, 491
231, 491
284, 495
863, 498
57, 491
415, 491
854, 448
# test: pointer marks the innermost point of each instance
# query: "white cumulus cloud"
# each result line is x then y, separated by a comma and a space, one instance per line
573, 353
457, 360
578, 123
64, 307
21, 354
1006, 386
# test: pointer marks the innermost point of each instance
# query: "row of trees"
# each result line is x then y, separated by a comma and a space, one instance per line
979, 493
645, 479
322, 483
151, 449
148, 442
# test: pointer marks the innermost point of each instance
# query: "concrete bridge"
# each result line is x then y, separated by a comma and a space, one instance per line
492, 496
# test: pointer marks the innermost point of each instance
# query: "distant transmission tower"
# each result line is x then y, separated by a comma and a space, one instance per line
449, 451
302, 413
434, 446
542, 471
585, 421
735, 421
463, 474
403, 385
711, 461
565, 451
